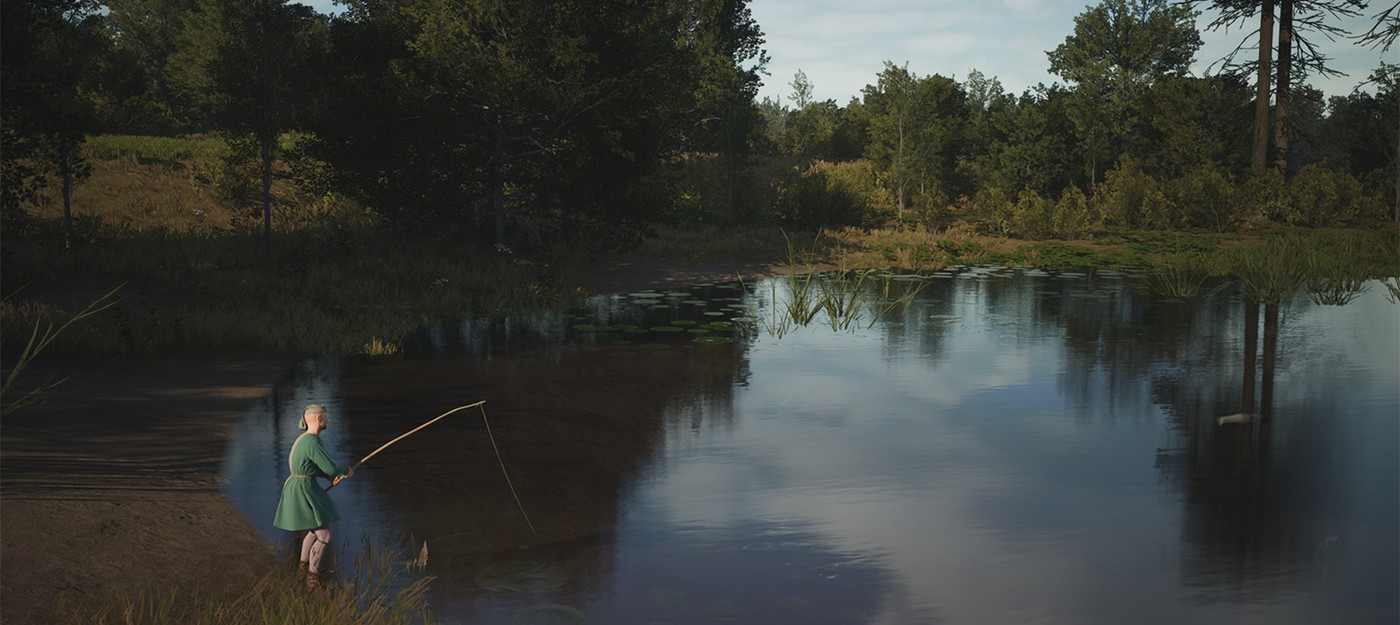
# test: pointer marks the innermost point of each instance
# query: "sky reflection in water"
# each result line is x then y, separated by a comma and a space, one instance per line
1010, 448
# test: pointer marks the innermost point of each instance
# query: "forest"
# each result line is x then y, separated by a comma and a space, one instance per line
486, 128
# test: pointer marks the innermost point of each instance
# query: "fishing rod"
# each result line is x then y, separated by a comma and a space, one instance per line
482, 405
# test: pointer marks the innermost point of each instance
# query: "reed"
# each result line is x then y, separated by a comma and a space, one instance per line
1181, 274
842, 296
1335, 278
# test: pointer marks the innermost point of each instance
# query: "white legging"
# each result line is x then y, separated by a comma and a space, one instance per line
313, 547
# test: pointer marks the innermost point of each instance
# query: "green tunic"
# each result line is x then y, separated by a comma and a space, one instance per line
304, 504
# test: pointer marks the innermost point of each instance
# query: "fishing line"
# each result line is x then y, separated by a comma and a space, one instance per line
482, 405
503, 469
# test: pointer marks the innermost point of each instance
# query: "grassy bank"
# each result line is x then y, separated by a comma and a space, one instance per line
174, 223
380, 591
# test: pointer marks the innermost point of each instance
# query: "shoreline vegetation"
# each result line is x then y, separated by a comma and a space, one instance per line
158, 219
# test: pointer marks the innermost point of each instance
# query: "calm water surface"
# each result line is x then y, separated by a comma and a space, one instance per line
1012, 447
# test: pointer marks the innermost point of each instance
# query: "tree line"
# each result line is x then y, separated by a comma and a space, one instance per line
526, 123
1130, 126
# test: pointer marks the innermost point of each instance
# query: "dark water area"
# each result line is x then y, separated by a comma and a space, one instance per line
1010, 447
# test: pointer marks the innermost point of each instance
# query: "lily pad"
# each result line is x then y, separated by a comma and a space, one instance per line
520, 576
713, 340
683, 322
645, 295
698, 331
668, 329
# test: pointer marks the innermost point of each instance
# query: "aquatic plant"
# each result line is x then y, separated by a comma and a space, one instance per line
43, 333
1181, 275
1269, 272
842, 297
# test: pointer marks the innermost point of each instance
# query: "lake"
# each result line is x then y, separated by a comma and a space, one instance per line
1002, 446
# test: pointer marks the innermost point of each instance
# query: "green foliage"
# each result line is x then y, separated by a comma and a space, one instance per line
997, 208
1181, 274
1036, 217
1320, 196
1208, 199
43, 334
1118, 51
1335, 280
827, 194
1129, 197
1272, 270
1056, 255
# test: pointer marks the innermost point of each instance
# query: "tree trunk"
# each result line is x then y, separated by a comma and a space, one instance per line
497, 183
265, 147
1266, 393
65, 170
1259, 157
1285, 68
1251, 355
899, 171
731, 167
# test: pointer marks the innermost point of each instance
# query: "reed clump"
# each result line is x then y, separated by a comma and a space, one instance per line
842, 297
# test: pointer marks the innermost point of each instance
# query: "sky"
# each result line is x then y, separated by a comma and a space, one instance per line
842, 45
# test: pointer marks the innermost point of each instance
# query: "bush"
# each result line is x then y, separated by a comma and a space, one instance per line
1032, 216
828, 194
1262, 198
1207, 198
1131, 198
993, 202
929, 208
1320, 196
1072, 216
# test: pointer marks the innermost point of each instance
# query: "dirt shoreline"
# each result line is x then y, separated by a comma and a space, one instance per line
113, 485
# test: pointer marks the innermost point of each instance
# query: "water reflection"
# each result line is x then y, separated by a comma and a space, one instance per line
1010, 447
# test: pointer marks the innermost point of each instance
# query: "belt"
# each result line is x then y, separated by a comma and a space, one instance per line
305, 477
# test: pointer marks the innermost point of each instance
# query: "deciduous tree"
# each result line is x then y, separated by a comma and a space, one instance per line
1118, 50
248, 64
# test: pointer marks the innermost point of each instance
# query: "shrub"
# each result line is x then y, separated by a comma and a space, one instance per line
1132, 198
1207, 199
1072, 216
1032, 216
1320, 196
830, 195
930, 208
1262, 198
993, 202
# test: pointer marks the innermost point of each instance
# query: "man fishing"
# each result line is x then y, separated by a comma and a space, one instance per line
304, 505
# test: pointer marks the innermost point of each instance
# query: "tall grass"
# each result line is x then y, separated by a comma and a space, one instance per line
309, 291
842, 297
379, 591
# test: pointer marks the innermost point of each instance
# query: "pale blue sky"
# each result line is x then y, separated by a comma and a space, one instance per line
842, 45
